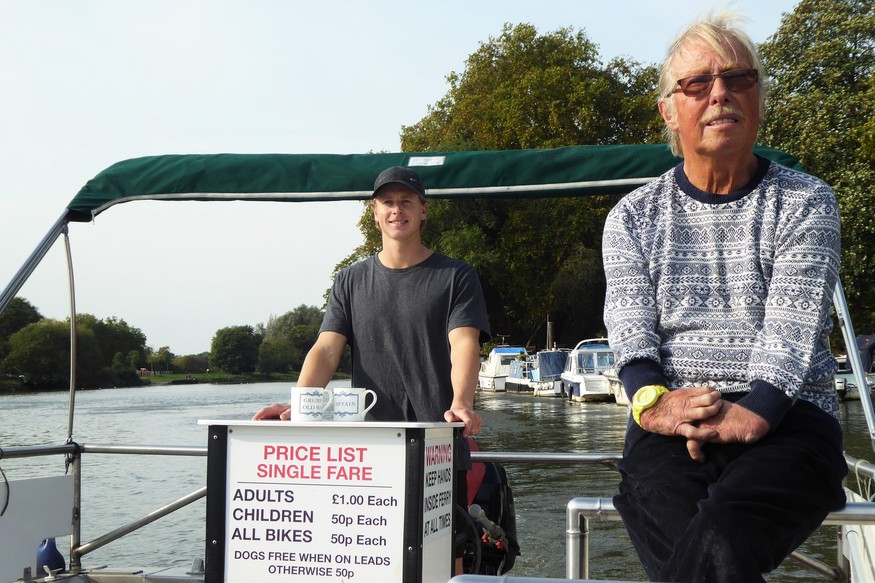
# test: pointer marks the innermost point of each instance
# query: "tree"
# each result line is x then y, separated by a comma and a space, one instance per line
525, 90
235, 349
113, 335
288, 338
18, 314
191, 363
821, 108
278, 355
41, 353
162, 359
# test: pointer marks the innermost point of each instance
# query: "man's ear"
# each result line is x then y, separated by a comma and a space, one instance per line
667, 111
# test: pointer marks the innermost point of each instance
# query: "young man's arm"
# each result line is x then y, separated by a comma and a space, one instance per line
319, 367
465, 360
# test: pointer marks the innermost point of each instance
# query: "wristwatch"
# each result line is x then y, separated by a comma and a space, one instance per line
645, 398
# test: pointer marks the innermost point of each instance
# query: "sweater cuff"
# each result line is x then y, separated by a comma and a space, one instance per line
640, 373
767, 401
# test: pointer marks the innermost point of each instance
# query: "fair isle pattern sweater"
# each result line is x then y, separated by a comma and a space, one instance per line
730, 291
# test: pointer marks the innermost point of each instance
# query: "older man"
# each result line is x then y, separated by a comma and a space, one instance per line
720, 276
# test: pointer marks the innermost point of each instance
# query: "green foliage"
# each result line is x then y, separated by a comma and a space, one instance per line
530, 90
161, 359
113, 336
288, 338
821, 108
278, 355
18, 314
191, 363
40, 352
235, 349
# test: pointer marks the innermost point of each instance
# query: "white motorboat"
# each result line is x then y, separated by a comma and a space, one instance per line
846, 383
616, 386
546, 376
519, 374
583, 378
494, 370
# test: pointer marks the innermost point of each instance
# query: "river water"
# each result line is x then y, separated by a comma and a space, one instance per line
118, 489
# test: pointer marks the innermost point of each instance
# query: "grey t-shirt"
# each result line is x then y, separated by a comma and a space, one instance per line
396, 322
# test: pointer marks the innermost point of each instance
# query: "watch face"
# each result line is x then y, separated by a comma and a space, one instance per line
645, 396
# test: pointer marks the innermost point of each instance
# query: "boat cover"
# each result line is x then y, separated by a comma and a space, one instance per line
551, 363
556, 172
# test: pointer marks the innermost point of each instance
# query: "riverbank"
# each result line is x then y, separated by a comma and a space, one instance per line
15, 385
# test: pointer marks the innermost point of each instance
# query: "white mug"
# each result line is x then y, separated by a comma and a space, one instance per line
309, 403
349, 404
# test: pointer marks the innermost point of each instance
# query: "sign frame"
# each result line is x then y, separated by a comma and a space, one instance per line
413, 462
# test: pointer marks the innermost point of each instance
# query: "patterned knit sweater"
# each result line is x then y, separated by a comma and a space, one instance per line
729, 291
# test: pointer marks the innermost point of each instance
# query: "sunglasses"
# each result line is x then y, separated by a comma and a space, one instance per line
735, 80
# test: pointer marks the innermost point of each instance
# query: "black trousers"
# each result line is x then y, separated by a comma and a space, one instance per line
742, 511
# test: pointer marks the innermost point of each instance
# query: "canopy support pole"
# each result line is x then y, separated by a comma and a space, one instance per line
844, 316
24, 272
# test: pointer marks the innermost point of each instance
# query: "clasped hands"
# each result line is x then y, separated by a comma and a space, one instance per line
702, 416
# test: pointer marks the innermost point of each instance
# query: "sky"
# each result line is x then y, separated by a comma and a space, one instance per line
87, 83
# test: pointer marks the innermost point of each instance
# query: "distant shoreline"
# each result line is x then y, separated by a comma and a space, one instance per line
15, 386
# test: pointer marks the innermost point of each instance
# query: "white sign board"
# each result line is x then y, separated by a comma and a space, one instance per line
311, 502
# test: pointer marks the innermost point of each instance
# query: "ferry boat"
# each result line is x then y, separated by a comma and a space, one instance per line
35, 511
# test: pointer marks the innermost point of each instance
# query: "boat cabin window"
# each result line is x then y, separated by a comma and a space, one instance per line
605, 360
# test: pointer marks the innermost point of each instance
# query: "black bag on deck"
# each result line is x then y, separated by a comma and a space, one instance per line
491, 545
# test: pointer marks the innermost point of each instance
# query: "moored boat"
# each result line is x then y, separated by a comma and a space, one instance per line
846, 383
583, 378
616, 386
494, 370
519, 374
546, 376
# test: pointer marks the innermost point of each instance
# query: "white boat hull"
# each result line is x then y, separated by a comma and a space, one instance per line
617, 388
547, 388
514, 385
492, 384
585, 390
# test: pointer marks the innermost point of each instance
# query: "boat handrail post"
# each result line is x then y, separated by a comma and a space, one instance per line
578, 513
74, 461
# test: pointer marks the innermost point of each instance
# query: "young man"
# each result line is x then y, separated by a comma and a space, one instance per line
720, 278
413, 318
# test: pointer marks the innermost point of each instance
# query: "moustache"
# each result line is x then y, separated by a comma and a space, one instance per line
725, 110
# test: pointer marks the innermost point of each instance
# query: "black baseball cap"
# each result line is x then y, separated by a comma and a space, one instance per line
400, 175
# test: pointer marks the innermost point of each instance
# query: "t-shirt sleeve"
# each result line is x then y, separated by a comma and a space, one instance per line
337, 314
469, 305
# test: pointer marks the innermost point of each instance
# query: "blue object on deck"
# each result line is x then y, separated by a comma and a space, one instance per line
48, 555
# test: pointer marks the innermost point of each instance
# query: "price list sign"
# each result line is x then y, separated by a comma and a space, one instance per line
323, 502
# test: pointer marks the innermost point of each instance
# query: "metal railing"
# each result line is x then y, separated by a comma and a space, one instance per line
579, 511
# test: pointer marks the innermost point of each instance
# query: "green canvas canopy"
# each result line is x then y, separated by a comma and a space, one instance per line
571, 171
557, 172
